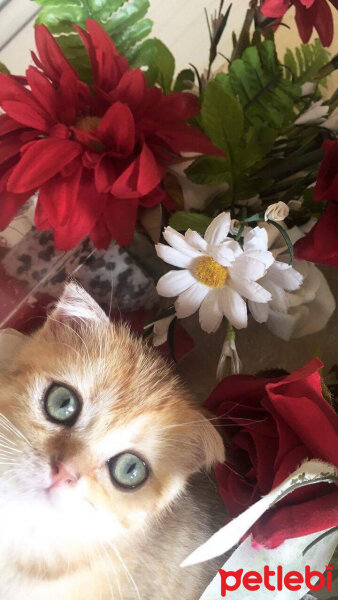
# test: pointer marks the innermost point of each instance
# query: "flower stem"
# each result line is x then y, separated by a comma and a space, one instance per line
242, 41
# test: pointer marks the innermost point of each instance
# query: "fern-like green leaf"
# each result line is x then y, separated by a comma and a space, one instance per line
259, 83
124, 20
305, 62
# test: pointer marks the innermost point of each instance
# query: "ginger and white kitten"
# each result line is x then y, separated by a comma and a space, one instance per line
103, 489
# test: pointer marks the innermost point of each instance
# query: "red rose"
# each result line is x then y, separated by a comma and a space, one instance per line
320, 245
310, 14
273, 426
95, 154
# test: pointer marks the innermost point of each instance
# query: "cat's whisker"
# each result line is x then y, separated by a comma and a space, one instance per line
106, 575
10, 449
130, 577
4, 422
7, 440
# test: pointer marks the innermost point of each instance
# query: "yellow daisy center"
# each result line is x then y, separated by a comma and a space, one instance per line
211, 273
87, 123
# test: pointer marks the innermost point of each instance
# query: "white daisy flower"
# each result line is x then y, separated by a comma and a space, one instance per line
217, 274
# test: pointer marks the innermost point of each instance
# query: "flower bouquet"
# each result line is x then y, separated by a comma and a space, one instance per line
112, 166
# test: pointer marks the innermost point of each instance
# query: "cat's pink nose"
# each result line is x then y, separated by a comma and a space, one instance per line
62, 474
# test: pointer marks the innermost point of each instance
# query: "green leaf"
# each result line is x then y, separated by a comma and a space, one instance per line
182, 220
304, 64
161, 65
208, 170
286, 239
184, 80
122, 19
3, 69
222, 118
258, 81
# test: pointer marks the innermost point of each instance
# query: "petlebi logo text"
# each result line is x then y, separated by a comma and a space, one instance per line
275, 580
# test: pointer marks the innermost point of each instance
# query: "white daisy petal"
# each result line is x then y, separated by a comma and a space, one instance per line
218, 229
189, 301
174, 257
178, 241
266, 257
195, 239
259, 311
255, 239
285, 276
246, 267
174, 283
211, 313
223, 253
249, 289
234, 307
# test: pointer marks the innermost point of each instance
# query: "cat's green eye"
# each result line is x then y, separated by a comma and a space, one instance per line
62, 405
128, 470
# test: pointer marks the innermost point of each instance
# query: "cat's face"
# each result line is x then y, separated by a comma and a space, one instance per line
100, 438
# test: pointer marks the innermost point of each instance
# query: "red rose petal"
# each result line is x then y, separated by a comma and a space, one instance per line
121, 215
318, 514
52, 60
320, 245
143, 175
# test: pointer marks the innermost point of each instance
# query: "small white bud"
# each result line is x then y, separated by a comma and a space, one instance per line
276, 212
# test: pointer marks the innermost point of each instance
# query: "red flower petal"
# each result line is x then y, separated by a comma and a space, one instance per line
304, 21
9, 147
41, 161
100, 234
179, 106
117, 129
108, 66
183, 138
7, 125
320, 245
323, 21
275, 8
87, 209
121, 215
58, 197
318, 514
105, 174
27, 115
326, 187
52, 59
10, 89
9, 206
143, 175
43, 90
131, 89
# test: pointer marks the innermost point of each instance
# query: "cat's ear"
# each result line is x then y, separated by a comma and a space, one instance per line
207, 443
74, 308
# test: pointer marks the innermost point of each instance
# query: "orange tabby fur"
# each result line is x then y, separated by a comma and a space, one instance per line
95, 541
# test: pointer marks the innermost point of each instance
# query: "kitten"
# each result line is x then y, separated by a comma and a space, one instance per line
103, 459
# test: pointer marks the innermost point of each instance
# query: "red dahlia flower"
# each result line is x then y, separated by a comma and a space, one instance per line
95, 154
320, 245
309, 14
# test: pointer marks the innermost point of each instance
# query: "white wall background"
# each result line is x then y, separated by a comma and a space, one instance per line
179, 23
